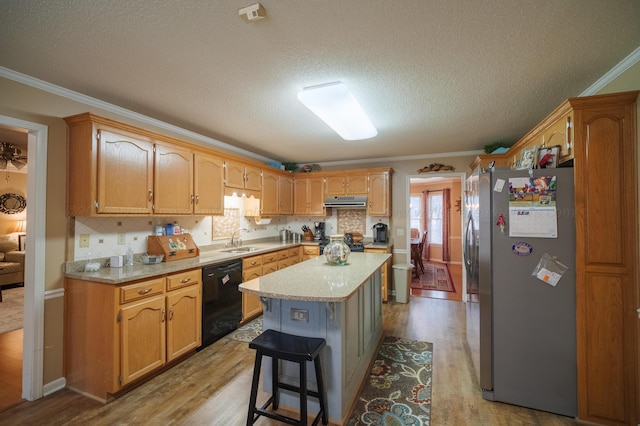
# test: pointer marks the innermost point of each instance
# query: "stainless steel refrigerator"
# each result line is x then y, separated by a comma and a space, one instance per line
521, 330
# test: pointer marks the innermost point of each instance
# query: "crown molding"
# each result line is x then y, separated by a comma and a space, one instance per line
386, 160
97, 103
614, 73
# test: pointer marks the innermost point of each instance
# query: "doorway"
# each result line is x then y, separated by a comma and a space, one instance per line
33, 314
435, 224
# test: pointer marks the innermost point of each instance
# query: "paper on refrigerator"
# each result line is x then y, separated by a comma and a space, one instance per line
532, 207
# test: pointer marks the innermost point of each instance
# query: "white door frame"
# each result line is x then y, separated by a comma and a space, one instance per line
33, 340
463, 177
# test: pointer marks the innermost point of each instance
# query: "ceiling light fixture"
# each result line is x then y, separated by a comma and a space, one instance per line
8, 152
334, 104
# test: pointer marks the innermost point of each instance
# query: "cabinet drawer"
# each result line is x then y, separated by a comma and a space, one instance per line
183, 279
269, 257
251, 273
285, 263
251, 262
294, 252
131, 292
269, 268
311, 250
283, 254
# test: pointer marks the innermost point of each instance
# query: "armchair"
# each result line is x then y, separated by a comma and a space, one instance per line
11, 262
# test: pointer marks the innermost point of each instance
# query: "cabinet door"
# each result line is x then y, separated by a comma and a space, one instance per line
270, 182
208, 185
357, 185
559, 133
379, 194
233, 174
315, 196
606, 183
184, 321
251, 306
300, 206
335, 185
173, 181
125, 174
253, 178
285, 195
142, 346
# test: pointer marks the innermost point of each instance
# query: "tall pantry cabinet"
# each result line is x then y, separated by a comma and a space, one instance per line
606, 209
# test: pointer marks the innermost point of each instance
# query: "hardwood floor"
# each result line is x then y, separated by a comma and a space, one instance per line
10, 369
212, 386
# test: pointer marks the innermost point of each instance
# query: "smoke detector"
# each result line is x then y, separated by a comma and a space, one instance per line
252, 13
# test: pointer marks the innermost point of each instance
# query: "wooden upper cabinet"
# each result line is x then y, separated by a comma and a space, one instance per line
560, 133
242, 176
173, 182
379, 195
124, 173
285, 195
308, 195
269, 200
208, 185
346, 185
277, 194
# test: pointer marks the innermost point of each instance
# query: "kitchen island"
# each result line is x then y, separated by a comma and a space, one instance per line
341, 304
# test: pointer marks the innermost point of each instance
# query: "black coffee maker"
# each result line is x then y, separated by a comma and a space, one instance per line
319, 228
380, 233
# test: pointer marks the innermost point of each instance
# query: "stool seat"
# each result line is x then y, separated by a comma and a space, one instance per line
288, 347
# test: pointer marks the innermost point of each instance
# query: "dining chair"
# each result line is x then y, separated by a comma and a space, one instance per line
421, 247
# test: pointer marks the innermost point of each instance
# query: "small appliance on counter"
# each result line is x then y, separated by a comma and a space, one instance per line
380, 233
319, 231
173, 247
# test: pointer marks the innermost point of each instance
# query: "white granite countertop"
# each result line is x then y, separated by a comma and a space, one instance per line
316, 280
141, 271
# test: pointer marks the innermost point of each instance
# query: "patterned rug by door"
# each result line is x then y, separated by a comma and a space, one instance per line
11, 309
436, 277
247, 332
398, 389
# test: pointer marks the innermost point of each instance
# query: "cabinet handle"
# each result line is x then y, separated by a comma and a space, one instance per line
197, 198
145, 291
185, 280
164, 314
193, 199
566, 134
170, 314
150, 195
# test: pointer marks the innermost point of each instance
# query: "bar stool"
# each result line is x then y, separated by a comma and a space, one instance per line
292, 348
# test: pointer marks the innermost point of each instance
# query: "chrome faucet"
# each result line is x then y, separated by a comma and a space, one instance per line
234, 242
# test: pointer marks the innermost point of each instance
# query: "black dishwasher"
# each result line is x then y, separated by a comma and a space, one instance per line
221, 301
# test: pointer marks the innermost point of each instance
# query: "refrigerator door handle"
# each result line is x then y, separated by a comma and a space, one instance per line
469, 243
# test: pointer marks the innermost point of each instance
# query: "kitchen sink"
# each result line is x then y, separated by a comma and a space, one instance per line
240, 250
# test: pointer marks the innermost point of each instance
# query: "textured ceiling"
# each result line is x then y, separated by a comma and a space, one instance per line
435, 76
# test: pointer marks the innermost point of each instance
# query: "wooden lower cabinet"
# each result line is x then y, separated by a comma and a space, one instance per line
251, 306
257, 266
386, 269
118, 334
309, 252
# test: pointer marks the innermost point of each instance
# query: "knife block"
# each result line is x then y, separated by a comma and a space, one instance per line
173, 247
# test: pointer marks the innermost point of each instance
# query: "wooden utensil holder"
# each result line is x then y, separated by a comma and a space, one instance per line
173, 247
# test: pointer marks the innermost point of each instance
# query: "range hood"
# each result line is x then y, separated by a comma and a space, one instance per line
346, 201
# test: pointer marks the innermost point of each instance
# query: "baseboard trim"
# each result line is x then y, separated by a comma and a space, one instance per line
54, 386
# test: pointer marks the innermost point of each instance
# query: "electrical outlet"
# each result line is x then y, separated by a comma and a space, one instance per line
300, 314
400, 232
122, 238
84, 240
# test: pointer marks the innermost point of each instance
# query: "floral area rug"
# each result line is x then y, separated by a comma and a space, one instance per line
398, 389
247, 332
436, 277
